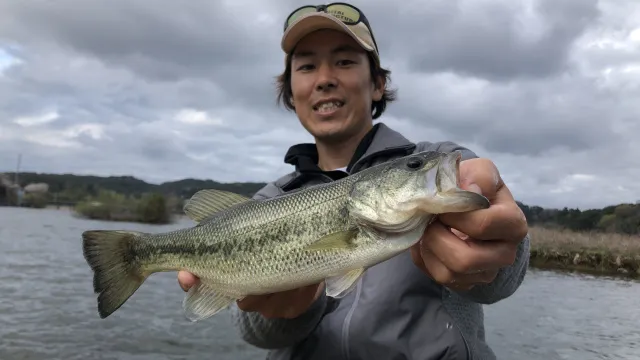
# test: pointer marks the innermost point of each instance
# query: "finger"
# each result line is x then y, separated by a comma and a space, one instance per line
466, 256
503, 220
441, 274
416, 256
253, 302
483, 174
186, 280
286, 304
500, 221
289, 304
264, 302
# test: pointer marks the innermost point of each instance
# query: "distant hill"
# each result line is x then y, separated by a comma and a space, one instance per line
75, 187
622, 218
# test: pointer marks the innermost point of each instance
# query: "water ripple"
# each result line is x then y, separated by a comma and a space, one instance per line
48, 310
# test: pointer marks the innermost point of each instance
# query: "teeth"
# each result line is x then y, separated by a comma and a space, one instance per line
329, 106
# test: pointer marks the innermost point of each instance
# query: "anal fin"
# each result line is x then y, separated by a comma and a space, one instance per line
203, 301
340, 285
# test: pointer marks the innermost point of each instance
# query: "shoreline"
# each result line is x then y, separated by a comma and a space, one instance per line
565, 264
609, 254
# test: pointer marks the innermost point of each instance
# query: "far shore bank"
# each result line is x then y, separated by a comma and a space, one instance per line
592, 252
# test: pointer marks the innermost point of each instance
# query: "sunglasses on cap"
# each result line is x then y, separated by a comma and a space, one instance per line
348, 14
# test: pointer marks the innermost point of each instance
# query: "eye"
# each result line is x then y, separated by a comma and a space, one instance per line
305, 67
414, 163
345, 62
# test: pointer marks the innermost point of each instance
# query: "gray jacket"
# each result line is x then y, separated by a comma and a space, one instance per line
396, 311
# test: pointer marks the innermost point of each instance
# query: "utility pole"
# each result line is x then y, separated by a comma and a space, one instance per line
15, 178
19, 192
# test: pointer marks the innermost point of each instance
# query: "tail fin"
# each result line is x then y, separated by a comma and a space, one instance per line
116, 276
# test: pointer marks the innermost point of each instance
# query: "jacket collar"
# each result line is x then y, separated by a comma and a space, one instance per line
378, 141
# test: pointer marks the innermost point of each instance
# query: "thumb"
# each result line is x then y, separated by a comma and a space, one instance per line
186, 280
480, 176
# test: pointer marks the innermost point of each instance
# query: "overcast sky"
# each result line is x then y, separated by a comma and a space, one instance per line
548, 89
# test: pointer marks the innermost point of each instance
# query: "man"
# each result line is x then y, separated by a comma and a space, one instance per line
422, 304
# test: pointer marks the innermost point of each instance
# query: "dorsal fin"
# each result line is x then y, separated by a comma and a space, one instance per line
205, 203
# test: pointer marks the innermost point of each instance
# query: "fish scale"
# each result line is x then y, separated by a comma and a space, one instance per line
233, 250
329, 232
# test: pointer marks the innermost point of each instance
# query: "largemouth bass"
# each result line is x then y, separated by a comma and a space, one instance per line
240, 246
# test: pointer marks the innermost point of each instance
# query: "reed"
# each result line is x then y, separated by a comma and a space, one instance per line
590, 251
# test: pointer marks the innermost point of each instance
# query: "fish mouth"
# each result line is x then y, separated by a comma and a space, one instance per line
457, 158
450, 168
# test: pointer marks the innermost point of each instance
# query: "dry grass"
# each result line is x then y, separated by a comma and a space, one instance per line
609, 253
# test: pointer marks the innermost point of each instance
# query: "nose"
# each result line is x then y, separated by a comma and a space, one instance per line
326, 79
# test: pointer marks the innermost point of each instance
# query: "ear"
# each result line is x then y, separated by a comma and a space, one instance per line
378, 88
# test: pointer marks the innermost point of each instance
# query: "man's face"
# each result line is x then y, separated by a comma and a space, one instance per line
330, 67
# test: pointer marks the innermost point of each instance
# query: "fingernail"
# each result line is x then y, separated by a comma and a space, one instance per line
460, 234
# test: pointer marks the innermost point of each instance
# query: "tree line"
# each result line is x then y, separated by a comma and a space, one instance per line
69, 188
621, 218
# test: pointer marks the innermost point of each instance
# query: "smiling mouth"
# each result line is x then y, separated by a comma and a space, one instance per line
328, 106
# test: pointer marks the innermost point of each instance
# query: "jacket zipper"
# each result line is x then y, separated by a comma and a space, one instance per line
464, 339
466, 344
347, 321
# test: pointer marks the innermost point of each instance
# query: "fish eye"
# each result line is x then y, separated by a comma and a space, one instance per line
414, 163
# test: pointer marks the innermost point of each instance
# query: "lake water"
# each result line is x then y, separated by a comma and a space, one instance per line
48, 309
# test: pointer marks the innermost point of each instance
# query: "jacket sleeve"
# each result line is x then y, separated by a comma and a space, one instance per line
509, 278
268, 333
506, 283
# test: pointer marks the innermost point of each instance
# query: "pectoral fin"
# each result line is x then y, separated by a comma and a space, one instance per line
336, 240
203, 301
205, 203
341, 285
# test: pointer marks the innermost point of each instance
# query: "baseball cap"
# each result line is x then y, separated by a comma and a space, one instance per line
337, 16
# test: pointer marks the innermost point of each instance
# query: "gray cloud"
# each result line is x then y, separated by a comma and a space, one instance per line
497, 40
521, 117
546, 89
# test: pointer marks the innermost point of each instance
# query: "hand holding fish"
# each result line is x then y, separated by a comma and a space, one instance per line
479, 242
286, 304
